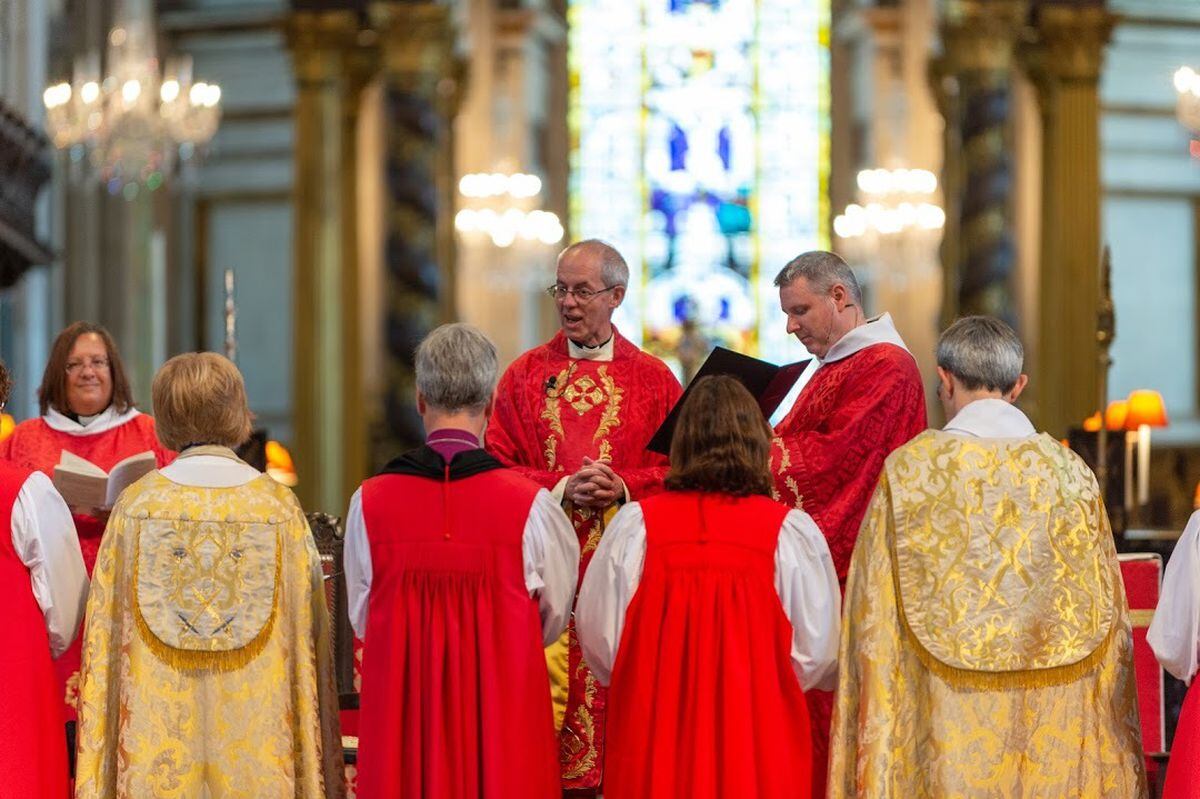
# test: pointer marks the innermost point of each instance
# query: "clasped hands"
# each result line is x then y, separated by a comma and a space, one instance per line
595, 485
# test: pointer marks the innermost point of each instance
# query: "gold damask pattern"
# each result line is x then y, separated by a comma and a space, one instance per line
1000, 562
148, 727
206, 590
902, 729
612, 409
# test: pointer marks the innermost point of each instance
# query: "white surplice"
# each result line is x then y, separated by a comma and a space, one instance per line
44, 538
804, 579
1174, 634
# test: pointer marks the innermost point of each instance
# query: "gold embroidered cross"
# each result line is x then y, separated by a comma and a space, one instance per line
583, 395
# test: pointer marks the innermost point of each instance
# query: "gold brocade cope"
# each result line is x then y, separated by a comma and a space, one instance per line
206, 590
207, 665
1000, 566
1028, 692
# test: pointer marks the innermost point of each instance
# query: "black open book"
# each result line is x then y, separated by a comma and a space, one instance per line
767, 382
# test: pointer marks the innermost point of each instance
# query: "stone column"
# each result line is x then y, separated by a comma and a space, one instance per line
422, 78
1064, 60
327, 379
973, 83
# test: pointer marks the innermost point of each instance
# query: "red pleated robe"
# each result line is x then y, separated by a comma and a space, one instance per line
33, 744
704, 701
38, 446
551, 412
827, 456
454, 699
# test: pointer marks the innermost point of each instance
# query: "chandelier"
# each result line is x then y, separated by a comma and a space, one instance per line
1187, 104
132, 121
498, 206
892, 202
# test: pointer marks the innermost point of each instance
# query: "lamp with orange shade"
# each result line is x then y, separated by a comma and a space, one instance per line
1146, 409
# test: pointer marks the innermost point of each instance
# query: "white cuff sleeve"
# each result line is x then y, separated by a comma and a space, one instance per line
1174, 634
356, 561
612, 579
550, 555
44, 538
808, 589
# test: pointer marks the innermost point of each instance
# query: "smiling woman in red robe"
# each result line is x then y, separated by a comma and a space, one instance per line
87, 410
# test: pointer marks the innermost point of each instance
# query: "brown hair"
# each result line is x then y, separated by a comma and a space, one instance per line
722, 443
200, 398
52, 393
5, 385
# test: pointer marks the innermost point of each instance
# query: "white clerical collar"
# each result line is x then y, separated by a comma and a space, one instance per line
880, 330
991, 418
100, 423
601, 352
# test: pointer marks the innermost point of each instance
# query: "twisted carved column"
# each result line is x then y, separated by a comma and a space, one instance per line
973, 82
421, 92
1064, 59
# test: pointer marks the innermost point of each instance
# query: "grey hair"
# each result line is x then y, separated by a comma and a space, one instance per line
982, 352
613, 269
456, 368
823, 270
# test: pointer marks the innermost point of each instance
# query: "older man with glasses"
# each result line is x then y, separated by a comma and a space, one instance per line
575, 415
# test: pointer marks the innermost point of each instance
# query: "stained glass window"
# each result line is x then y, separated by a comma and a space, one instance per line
700, 149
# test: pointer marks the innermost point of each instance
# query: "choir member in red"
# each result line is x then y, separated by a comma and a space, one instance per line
575, 415
714, 609
43, 588
864, 400
458, 571
87, 410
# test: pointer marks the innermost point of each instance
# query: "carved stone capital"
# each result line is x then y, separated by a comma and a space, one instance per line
979, 35
1069, 42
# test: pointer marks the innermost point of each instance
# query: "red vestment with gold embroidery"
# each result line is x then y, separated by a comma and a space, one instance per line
827, 456
551, 412
36, 445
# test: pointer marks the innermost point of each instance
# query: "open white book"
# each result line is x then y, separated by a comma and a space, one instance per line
83, 484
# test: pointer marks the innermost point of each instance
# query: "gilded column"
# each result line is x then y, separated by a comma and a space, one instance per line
325, 378
973, 82
421, 91
1064, 60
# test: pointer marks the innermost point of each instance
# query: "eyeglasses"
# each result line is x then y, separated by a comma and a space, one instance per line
581, 295
97, 365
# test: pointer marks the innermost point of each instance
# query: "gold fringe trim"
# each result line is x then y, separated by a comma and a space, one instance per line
974, 680
195, 660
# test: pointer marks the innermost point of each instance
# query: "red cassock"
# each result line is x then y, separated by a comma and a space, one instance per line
454, 700
33, 744
704, 702
551, 412
36, 445
827, 456
1183, 767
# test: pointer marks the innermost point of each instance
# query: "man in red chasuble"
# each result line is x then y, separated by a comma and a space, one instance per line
87, 410
575, 415
864, 400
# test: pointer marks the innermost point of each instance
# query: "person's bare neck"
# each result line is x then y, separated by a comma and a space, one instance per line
599, 337
468, 421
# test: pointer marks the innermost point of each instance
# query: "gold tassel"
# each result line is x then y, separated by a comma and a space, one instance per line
196, 660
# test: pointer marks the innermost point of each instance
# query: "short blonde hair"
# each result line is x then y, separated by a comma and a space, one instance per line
200, 398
